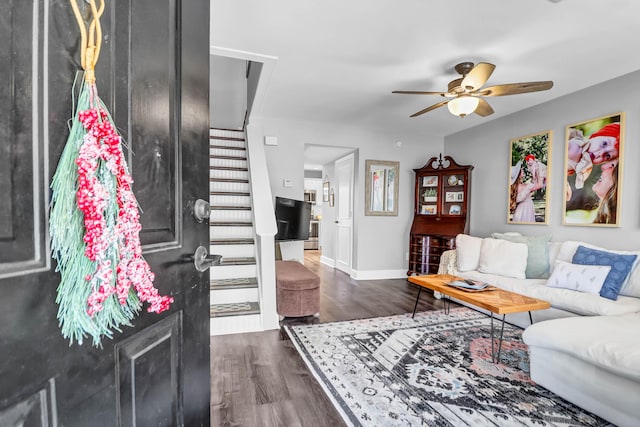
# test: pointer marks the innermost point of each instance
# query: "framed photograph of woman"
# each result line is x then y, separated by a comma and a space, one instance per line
592, 166
528, 199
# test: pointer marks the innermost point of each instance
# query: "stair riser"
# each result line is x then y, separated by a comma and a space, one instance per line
230, 215
236, 187
226, 133
233, 271
228, 163
217, 200
235, 324
233, 251
225, 174
216, 151
228, 296
231, 232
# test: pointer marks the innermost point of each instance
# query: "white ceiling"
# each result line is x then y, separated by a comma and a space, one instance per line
339, 60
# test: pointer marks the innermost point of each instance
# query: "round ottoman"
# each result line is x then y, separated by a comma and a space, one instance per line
297, 290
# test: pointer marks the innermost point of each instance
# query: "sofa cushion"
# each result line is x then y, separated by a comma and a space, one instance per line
631, 287
468, 252
620, 265
564, 299
537, 256
609, 342
503, 257
578, 277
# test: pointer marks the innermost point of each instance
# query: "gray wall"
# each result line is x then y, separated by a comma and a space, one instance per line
227, 92
380, 242
487, 148
255, 69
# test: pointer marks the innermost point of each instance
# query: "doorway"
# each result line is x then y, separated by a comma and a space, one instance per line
319, 167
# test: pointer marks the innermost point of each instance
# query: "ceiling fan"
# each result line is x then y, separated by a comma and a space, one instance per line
465, 93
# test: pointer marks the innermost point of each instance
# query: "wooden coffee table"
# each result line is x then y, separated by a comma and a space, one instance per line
496, 301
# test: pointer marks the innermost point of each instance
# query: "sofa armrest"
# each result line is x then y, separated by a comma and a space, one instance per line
448, 263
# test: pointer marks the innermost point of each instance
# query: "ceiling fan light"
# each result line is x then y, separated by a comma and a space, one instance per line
463, 105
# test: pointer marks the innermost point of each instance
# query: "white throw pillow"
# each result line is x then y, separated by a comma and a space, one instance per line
578, 277
468, 252
503, 258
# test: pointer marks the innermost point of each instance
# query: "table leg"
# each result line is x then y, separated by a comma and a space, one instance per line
500, 342
417, 299
447, 304
530, 318
495, 359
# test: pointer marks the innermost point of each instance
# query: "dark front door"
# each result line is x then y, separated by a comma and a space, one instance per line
153, 74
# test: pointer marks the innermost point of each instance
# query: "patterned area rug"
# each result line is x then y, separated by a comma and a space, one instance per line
434, 370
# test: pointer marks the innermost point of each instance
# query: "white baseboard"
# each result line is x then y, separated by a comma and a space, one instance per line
235, 324
368, 274
327, 261
379, 274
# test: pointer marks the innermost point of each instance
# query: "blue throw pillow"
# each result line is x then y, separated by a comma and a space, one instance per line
621, 266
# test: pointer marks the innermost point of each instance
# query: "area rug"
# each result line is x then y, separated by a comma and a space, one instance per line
434, 370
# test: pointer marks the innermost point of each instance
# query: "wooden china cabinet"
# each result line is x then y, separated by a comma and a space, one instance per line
441, 212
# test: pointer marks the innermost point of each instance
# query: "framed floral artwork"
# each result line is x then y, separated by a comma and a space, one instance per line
528, 192
593, 171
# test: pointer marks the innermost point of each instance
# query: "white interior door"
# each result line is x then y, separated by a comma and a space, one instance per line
344, 213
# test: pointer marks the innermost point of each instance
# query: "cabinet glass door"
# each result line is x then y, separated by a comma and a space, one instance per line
454, 197
428, 195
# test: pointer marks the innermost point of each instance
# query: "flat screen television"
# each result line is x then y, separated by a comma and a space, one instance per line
293, 218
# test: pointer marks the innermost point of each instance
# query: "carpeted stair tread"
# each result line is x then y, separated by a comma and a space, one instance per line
237, 261
226, 138
238, 180
219, 156
227, 147
239, 283
249, 241
230, 208
231, 224
234, 309
228, 168
229, 193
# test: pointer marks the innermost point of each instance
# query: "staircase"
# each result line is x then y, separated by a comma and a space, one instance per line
234, 292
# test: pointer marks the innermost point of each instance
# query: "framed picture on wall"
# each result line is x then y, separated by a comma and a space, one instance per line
592, 166
528, 201
381, 188
325, 191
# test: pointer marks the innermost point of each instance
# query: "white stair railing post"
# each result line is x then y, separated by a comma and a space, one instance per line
265, 227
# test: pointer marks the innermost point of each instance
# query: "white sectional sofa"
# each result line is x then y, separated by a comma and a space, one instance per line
585, 348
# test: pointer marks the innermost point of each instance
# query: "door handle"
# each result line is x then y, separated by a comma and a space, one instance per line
201, 210
202, 260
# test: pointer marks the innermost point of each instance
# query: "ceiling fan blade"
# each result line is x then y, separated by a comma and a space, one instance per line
477, 76
413, 92
483, 109
433, 107
516, 88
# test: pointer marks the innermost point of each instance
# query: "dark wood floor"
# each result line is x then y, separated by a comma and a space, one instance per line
258, 379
